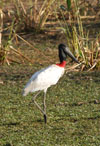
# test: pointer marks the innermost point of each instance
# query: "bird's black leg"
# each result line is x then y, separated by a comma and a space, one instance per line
44, 105
44, 108
45, 118
38, 105
33, 99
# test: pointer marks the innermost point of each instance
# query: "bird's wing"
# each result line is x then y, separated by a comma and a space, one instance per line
44, 78
50, 75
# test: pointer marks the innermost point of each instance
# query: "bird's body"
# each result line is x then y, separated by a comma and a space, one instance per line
43, 79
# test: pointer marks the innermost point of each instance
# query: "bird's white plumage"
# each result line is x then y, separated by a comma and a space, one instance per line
43, 79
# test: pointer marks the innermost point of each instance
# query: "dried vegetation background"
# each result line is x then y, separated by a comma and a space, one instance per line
42, 20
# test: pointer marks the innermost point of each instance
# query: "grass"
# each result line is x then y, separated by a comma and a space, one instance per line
73, 109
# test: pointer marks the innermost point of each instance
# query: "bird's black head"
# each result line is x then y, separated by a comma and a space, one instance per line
64, 51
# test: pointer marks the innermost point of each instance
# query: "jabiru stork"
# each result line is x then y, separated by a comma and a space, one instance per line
43, 79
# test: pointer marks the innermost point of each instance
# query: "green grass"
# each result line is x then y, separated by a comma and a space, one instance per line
73, 109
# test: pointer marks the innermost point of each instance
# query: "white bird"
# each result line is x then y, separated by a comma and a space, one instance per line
43, 79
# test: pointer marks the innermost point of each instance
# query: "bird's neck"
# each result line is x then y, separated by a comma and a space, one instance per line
62, 64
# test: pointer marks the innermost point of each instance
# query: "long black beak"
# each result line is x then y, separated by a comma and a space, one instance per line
69, 53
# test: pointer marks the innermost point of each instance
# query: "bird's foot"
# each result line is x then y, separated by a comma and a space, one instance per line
45, 118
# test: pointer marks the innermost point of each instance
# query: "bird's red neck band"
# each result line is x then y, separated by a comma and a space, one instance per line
62, 64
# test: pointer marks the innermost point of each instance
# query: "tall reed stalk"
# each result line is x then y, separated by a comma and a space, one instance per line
1, 26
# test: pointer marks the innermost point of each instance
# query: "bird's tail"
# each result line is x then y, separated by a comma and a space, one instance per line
27, 89
24, 92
